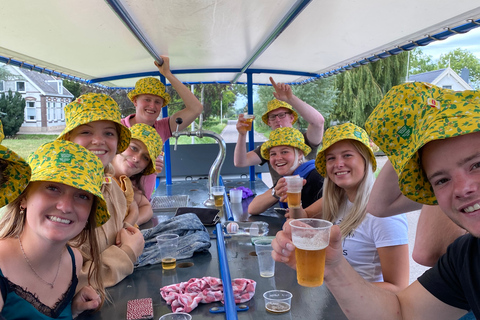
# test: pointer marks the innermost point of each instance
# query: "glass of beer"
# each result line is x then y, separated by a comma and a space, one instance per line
294, 191
311, 238
248, 118
167, 245
218, 193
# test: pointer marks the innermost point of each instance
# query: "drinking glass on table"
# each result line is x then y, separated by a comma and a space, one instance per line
218, 192
167, 245
310, 238
266, 264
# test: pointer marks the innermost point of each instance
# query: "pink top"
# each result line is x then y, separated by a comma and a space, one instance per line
163, 128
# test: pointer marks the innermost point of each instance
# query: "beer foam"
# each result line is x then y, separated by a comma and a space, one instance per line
317, 242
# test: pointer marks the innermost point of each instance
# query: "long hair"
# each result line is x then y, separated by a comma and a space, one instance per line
12, 225
335, 198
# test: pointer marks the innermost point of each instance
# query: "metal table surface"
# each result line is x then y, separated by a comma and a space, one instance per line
145, 282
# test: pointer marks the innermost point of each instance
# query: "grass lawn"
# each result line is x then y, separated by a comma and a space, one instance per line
25, 144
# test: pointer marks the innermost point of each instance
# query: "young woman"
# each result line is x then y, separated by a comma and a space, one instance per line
93, 121
286, 151
62, 203
137, 161
377, 248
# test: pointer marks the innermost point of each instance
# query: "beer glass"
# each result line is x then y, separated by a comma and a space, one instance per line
167, 245
311, 238
218, 192
248, 118
294, 191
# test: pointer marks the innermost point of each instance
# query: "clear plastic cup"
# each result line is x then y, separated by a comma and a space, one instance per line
294, 191
236, 195
218, 192
277, 301
266, 264
167, 245
176, 316
248, 118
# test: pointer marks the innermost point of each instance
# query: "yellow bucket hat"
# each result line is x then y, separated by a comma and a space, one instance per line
150, 85
152, 140
92, 107
71, 164
274, 105
338, 133
16, 174
285, 136
411, 115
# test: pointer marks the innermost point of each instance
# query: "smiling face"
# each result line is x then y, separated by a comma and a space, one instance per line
282, 159
56, 211
345, 166
277, 122
148, 107
452, 166
99, 137
133, 160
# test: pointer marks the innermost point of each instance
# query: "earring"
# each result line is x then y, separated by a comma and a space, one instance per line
22, 210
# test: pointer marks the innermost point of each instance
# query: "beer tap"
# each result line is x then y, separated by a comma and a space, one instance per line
179, 121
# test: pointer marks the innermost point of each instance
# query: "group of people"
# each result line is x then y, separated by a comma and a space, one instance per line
72, 210
69, 228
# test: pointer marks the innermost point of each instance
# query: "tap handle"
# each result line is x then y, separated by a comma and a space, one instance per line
179, 121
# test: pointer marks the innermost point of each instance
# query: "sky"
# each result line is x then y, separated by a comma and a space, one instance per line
468, 41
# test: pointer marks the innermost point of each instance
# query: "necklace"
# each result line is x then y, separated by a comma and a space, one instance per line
51, 284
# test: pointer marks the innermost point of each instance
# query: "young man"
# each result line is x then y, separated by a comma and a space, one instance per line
281, 112
432, 137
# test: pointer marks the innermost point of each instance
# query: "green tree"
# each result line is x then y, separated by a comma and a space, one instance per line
459, 59
74, 88
419, 62
12, 112
361, 89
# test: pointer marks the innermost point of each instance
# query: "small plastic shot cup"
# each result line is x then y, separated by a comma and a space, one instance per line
236, 195
248, 118
277, 301
266, 264
176, 316
218, 192
167, 245
294, 191
310, 238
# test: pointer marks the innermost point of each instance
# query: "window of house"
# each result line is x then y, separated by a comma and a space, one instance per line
31, 112
2, 85
20, 86
50, 111
62, 112
447, 87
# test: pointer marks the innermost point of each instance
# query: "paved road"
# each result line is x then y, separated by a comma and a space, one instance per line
230, 133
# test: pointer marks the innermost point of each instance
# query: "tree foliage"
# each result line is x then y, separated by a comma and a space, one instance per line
459, 59
419, 62
12, 112
361, 89
320, 94
74, 88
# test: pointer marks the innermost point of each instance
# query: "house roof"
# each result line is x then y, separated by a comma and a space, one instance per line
114, 42
434, 77
41, 80
426, 76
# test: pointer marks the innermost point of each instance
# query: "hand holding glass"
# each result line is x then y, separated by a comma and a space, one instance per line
311, 238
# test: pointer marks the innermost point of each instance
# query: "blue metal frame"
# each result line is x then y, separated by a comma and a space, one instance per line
230, 308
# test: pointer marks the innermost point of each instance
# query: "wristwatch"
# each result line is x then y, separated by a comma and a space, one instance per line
274, 195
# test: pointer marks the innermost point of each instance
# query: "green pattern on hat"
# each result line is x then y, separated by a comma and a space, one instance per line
338, 133
152, 140
71, 164
92, 107
411, 115
17, 173
274, 105
150, 86
285, 136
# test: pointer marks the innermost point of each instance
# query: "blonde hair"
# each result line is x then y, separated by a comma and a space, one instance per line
335, 198
12, 224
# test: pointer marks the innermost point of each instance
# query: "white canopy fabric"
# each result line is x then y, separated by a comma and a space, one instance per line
292, 40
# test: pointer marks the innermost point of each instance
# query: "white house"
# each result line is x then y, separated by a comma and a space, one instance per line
444, 78
45, 97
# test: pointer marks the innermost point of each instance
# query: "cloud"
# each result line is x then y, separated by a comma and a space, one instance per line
468, 41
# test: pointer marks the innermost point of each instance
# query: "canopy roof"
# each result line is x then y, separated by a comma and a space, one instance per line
114, 42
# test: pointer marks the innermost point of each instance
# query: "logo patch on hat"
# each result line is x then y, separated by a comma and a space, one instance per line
64, 157
357, 134
433, 103
405, 132
145, 133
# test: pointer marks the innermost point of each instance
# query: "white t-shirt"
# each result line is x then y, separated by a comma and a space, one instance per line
360, 248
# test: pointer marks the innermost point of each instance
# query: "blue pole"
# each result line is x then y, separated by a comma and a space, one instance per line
251, 142
166, 146
230, 307
228, 209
